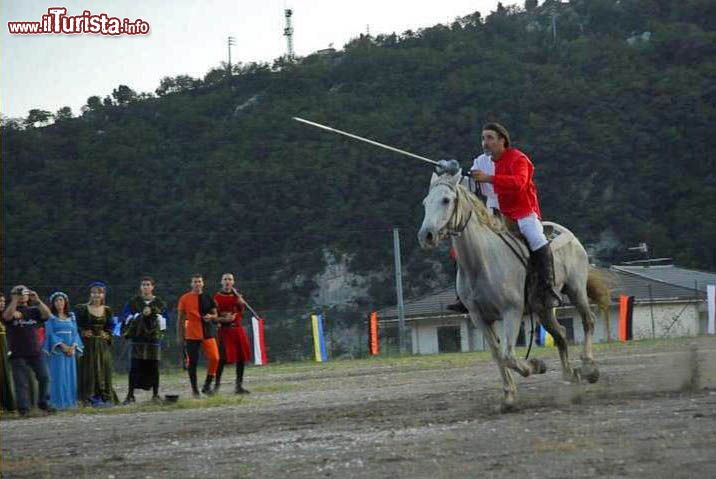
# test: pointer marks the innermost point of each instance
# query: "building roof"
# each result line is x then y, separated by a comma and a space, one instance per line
433, 304
673, 275
621, 283
641, 287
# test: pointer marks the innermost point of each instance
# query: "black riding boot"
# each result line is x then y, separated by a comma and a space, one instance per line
207, 385
545, 270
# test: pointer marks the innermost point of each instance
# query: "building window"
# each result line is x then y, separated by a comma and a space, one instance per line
449, 339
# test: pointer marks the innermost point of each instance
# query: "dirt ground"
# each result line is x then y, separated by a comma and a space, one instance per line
653, 414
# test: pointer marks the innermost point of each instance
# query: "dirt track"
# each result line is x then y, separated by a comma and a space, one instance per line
653, 414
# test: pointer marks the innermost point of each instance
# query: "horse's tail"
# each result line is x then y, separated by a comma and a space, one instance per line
598, 288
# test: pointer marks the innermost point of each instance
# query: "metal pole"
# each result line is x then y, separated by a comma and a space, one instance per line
651, 309
230, 42
399, 290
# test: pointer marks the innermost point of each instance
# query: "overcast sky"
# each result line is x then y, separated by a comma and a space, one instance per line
186, 37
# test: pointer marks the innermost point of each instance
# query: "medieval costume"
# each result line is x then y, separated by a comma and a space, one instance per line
95, 365
6, 387
233, 341
199, 334
145, 325
61, 333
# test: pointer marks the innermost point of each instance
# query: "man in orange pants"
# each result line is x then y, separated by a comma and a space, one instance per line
196, 328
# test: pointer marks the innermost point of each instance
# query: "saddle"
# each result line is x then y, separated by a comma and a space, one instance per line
556, 234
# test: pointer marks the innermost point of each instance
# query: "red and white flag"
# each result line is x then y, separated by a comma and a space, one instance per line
257, 325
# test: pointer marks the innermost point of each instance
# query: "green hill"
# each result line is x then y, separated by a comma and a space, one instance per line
616, 111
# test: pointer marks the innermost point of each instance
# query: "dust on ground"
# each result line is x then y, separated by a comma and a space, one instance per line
652, 414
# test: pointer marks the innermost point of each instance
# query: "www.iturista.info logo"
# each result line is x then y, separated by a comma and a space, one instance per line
58, 22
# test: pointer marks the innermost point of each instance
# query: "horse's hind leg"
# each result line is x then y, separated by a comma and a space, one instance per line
578, 297
558, 332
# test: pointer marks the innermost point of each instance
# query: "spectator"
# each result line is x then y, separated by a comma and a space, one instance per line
62, 345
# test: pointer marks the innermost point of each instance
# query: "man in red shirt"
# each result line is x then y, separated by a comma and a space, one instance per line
517, 196
233, 341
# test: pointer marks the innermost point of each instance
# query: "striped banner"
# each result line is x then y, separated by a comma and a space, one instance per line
260, 357
711, 297
543, 338
319, 340
373, 343
626, 311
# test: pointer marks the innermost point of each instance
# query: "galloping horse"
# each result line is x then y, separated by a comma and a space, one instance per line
491, 280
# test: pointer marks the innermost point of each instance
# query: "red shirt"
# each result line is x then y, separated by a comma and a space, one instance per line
230, 303
516, 192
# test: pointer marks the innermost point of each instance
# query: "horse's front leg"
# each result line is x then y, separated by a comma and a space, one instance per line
493, 340
513, 324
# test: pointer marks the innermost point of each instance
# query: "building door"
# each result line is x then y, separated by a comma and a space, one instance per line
568, 324
449, 339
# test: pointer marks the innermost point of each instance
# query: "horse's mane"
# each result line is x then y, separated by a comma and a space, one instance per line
495, 223
473, 203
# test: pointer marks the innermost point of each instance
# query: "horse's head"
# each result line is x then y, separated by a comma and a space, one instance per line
440, 207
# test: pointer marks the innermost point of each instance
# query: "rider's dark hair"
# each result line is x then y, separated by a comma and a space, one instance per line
500, 130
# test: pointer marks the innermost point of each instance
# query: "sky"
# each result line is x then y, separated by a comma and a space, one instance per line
185, 37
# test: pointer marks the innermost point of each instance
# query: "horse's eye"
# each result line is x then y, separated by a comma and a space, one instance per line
446, 200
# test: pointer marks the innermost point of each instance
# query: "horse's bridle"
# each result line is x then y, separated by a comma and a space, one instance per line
458, 228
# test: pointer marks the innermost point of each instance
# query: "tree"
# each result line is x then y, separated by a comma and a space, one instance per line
64, 113
124, 95
11, 123
94, 103
177, 84
36, 116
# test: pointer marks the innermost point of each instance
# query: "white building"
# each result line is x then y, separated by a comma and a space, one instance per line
668, 301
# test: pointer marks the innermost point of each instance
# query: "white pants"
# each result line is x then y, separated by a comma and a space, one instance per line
531, 227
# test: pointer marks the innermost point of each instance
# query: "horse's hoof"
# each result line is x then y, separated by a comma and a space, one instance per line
575, 377
590, 372
508, 402
538, 366
592, 376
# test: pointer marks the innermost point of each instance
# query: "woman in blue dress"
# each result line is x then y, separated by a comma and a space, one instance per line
62, 344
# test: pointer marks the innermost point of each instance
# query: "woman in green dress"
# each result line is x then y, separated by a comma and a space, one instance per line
94, 368
6, 386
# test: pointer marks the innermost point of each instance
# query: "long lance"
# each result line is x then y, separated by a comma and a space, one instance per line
366, 140
247, 304
251, 309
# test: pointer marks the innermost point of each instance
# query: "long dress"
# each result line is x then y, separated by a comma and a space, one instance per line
6, 385
63, 368
94, 367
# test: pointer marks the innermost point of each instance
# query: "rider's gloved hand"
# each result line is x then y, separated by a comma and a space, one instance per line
451, 167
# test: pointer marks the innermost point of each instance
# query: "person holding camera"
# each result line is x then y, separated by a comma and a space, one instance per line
25, 313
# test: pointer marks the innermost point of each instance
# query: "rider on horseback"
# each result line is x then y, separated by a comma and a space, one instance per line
517, 197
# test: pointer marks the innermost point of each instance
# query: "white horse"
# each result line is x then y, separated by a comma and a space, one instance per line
491, 280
